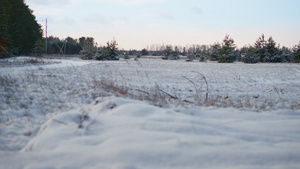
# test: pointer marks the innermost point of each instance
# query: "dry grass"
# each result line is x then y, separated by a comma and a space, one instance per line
60, 90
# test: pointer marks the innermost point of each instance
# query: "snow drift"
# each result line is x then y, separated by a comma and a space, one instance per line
122, 133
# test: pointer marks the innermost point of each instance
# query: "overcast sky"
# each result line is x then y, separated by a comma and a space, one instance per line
136, 24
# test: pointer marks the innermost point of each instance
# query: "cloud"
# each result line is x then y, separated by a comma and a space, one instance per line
197, 10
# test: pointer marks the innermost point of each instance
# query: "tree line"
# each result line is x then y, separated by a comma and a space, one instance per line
226, 52
263, 50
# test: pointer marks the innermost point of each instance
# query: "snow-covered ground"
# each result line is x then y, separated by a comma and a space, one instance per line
70, 113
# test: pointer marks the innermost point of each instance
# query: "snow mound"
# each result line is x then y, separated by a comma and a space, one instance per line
125, 134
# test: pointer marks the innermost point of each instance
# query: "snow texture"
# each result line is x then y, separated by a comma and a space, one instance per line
56, 117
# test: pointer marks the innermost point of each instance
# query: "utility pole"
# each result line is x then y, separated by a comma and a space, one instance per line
46, 38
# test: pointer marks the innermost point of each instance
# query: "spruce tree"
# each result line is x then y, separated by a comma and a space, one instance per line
215, 52
249, 55
271, 52
260, 47
296, 53
228, 53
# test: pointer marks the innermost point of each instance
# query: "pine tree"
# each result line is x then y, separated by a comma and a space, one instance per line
144, 52
88, 49
296, 53
18, 27
167, 52
215, 52
271, 52
260, 47
109, 52
39, 48
228, 53
249, 55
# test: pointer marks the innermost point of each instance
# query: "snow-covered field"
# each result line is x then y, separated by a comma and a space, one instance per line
70, 113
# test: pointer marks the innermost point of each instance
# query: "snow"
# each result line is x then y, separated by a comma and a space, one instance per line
59, 115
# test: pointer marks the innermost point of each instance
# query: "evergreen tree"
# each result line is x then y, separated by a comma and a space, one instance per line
215, 52
109, 52
167, 52
144, 52
271, 52
88, 49
249, 55
260, 47
170, 54
285, 54
296, 53
73, 47
18, 27
39, 48
228, 53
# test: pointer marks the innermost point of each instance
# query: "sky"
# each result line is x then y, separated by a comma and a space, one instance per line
138, 24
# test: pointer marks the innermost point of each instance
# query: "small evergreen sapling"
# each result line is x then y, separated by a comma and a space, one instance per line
39, 48
215, 52
88, 49
170, 54
228, 53
108, 52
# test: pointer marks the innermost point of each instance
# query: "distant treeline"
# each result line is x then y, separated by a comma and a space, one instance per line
68, 46
263, 50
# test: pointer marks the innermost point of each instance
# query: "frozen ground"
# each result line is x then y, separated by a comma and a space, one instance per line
70, 114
